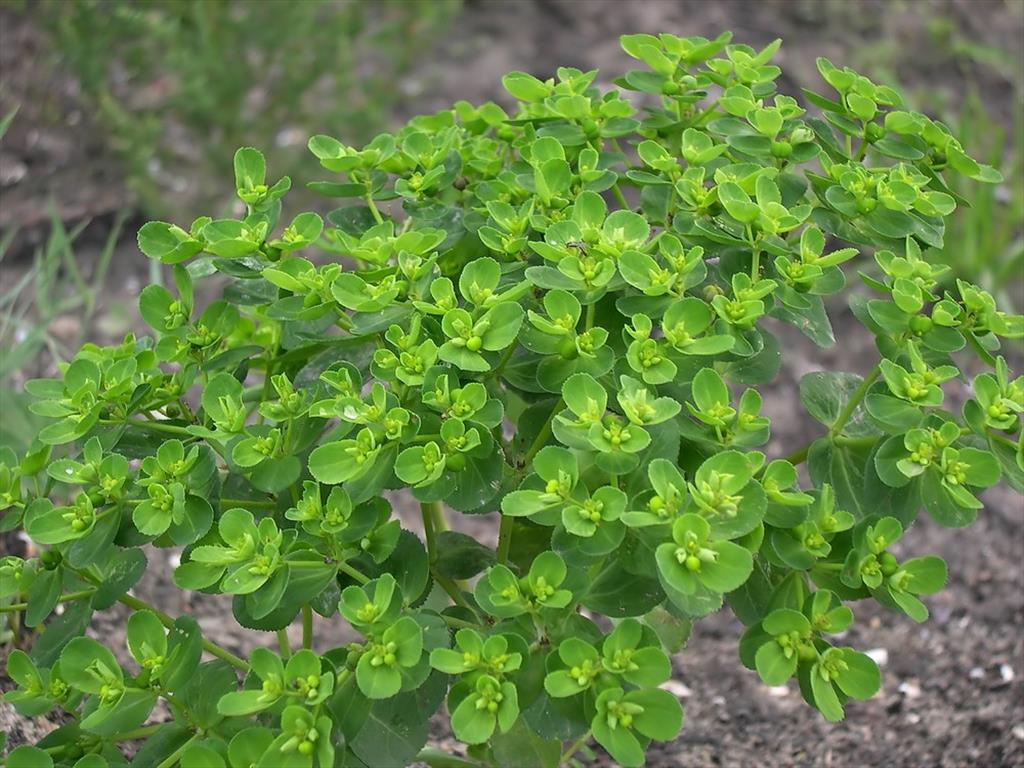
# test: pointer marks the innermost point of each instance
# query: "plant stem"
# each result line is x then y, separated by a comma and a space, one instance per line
829, 566
620, 197
66, 598
707, 111
429, 532
373, 207
983, 353
155, 426
175, 756
854, 401
453, 591
543, 435
505, 538
283, 646
347, 569
307, 626
433, 520
503, 361
755, 250
451, 621
574, 748
138, 733
435, 758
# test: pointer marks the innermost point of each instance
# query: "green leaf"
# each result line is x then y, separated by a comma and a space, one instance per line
825, 698
825, 394
27, 756
774, 667
396, 729
167, 243
461, 556
521, 747
525, 87
199, 756
250, 168
617, 592
729, 570
861, 679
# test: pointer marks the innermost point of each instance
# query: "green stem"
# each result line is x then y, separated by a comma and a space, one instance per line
856, 442
155, 426
798, 456
707, 111
347, 569
138, 733
620, 197
373, 207
453, 591
435, 758
854, 401
983, 353
505, 357
66, 598
283, 646
575, 747
755, 250
451, 621
429, 531
505, 538
307, 626
543, 435
1001, 439
829, 566
175, 756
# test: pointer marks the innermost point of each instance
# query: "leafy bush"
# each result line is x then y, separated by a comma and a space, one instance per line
494, 334
170, 77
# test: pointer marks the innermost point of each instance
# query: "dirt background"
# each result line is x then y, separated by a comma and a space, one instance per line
952, 688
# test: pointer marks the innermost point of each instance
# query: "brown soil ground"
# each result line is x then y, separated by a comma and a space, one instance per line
953, 693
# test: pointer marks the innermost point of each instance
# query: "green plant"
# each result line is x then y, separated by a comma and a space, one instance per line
213, 75
486, 336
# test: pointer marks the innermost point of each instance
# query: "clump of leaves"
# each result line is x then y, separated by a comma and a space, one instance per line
556, 317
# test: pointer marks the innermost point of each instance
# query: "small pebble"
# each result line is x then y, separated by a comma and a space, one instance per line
778, 690
879, 655
976, 673
913, 718
1018, 732
677, 689
910, 689
1006, 672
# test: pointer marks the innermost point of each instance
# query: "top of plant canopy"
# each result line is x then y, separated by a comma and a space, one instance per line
555, 314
